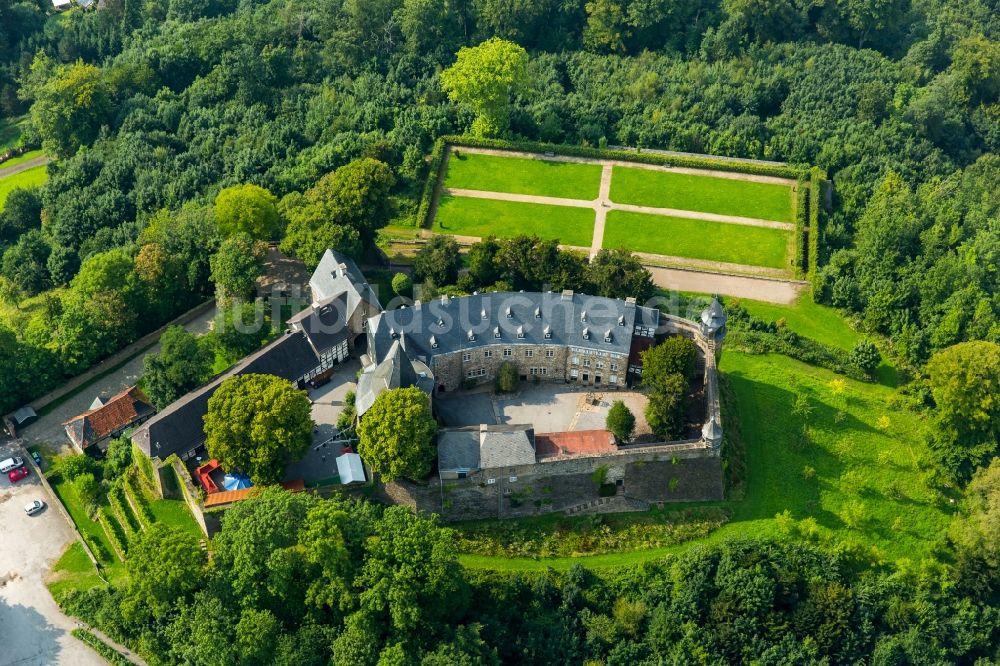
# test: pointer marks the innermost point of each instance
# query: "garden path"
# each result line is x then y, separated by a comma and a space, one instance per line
24, 166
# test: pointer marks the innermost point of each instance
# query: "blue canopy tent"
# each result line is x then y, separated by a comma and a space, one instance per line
236, 482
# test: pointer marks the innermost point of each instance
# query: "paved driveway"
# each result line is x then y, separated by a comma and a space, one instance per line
48, 429
33, 631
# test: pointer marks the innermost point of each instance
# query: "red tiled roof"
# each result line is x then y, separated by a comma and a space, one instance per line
581, 442
119, 412
230, 496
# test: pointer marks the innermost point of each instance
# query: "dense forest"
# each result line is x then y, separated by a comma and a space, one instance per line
168, 120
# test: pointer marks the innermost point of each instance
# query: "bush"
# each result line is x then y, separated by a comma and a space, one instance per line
144, 465
113, 531
87, 490
866, 357
802, 196
508, 378
816, 176
116, 497
430, 185
402, 284
109, 654
142, 510
621, 421
73, 466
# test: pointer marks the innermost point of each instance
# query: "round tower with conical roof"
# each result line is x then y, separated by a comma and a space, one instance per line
713, 321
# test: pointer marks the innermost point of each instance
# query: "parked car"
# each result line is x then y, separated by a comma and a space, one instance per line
31, 508
10, 464
37, 458
16, 475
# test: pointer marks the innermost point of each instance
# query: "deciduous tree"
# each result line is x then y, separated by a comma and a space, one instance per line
396, 435
621, 421
182, 363
249, 209
486, 78
237, 265
256, 424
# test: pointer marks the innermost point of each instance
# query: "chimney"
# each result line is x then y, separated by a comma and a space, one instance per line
567, 295
416, 304
630, 302
341, 270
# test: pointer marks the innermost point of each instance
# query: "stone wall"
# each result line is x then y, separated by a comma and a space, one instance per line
642, 477
451, 370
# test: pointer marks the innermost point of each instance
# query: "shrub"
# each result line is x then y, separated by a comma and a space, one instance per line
866, 357
621, 421
508, 378
430, 185
144, 465
109, 654
142, 510
87, 490
73, 466
802, 196
402, 284
113, 531
816, 176
116, 497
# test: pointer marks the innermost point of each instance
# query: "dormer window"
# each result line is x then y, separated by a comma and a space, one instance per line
607, 336
586, 333
441, 323
621, 320
538, 313
496, 332
548, 332
393, 334
434, 342
520, 332
483, 314
510, 313
472, 336
583, 316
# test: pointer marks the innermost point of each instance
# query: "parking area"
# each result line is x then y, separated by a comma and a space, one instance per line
320, 462
34, 632
548, 407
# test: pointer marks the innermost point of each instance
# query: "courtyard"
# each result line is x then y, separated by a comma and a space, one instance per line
547, 407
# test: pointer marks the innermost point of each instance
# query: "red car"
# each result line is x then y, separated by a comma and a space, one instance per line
16, 475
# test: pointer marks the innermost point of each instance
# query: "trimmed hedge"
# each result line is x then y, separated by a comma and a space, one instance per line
113, 531
693, 161
111, 655
430, 185
116, 497
144, 465
816, 178
802, 197
138, 499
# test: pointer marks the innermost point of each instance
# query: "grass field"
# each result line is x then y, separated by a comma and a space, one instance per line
484, 217
858, 475
697, 239
725, 196
73, 571
90, 528
175, 514
521, 175
29, 178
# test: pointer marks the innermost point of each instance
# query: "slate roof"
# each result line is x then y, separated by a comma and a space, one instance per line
396, 370
180, 427
337, 273
118, 413
485, 447
521, 317
325, 324
507, 448
458, 449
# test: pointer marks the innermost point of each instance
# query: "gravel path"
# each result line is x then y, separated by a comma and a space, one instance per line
601, 211
24, 166
783, 292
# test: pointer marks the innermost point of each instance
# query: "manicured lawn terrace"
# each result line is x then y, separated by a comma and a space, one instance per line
697, 239
29, 178
90, 528
865, 486
463, 216
520, 175
725, 196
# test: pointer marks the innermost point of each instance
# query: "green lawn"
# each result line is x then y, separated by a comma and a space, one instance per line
805, 317
175, 514
522, 175
90, 528
725, 196
866, 487
73, 571
484, 217
29, 178
697, 239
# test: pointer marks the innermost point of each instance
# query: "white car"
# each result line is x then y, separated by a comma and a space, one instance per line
32, 508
